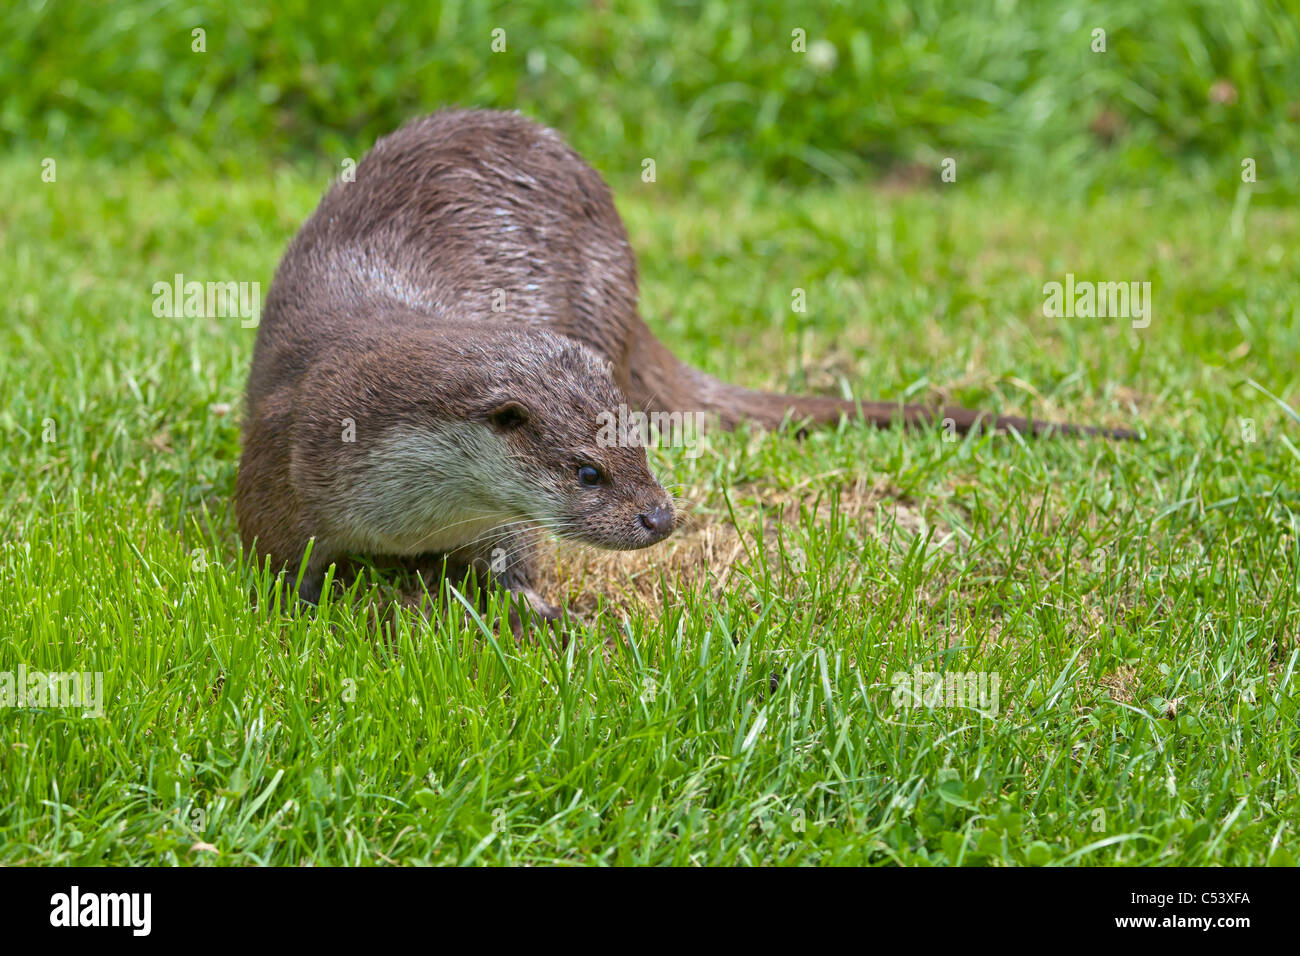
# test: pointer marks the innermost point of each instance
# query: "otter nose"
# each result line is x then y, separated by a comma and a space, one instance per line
657, 520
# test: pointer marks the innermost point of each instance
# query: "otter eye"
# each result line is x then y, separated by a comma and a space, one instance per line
589, 476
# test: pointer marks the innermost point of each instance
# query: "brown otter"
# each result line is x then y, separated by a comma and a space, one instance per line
436, 351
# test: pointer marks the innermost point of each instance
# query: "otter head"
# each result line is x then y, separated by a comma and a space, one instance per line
462, 434
577, 450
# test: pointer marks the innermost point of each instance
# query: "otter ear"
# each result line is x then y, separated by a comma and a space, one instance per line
508, 415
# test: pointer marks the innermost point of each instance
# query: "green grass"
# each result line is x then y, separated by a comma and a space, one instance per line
1098, 581
995, 84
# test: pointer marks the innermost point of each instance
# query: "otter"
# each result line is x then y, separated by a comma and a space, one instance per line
436, 351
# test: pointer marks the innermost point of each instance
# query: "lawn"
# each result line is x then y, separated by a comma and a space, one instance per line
744, 693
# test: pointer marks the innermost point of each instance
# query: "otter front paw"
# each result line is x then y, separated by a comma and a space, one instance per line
538, 617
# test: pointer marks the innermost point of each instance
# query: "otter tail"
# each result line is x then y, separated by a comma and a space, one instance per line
678, 387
